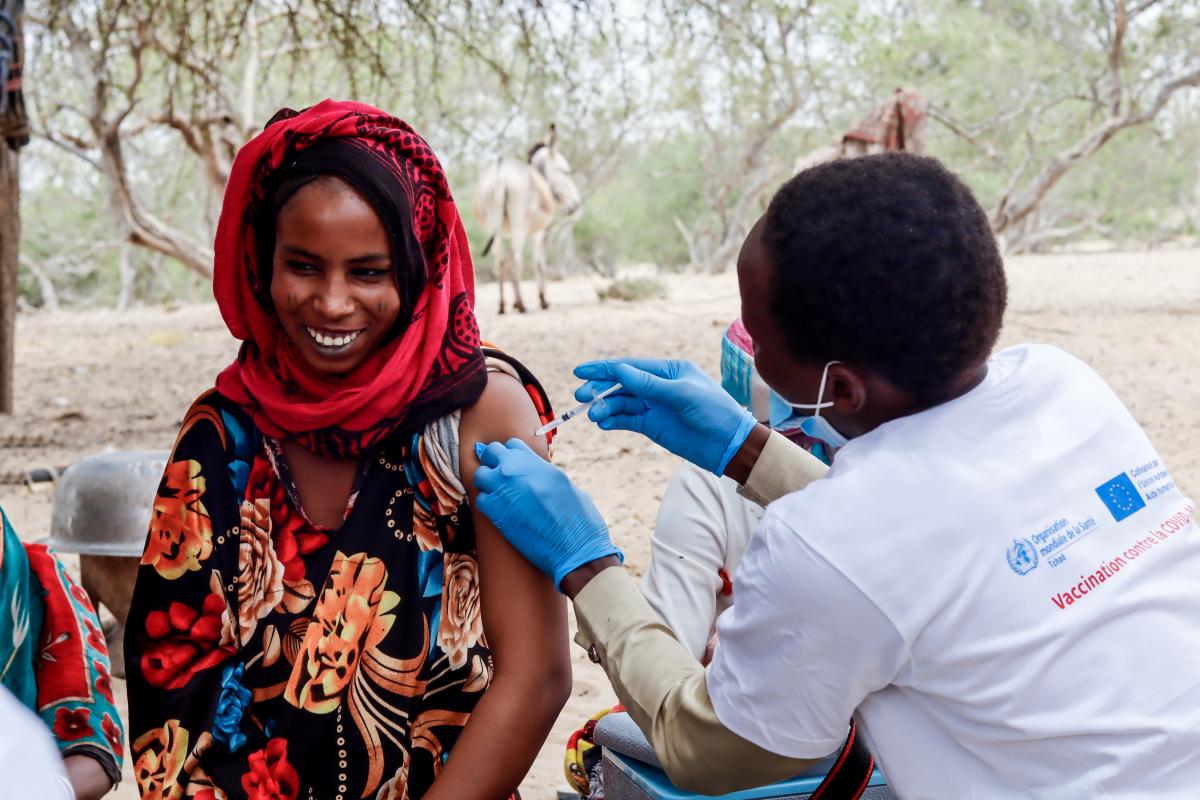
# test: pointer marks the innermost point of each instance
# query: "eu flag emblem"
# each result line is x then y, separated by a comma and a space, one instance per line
1120, 497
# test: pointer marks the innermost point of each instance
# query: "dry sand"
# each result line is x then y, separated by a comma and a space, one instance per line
89, 381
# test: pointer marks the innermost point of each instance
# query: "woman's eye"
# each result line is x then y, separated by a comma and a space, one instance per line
372, 273
301, 266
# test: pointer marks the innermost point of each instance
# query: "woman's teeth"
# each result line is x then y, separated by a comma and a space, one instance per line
326, 340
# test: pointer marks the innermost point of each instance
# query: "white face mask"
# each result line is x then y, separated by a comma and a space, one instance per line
817, 426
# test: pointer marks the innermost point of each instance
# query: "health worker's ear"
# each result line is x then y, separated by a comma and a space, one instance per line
848, 388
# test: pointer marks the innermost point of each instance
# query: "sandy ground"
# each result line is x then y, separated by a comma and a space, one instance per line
90, 381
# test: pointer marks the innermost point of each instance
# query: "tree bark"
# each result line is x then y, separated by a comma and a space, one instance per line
1196, 196
128, 274
10, 244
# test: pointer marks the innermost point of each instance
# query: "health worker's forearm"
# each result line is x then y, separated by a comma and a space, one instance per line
769, 466
663, 688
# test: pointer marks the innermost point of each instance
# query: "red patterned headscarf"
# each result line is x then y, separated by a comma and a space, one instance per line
432, 367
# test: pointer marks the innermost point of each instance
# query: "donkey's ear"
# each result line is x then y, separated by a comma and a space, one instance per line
551, 135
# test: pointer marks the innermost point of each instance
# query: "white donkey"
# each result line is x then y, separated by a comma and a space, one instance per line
516, 201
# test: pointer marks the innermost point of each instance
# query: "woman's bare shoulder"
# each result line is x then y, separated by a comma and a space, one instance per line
504, 411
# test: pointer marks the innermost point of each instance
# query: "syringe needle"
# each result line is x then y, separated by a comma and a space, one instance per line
576, 411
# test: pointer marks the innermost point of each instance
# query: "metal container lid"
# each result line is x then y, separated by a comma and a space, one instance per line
102, 503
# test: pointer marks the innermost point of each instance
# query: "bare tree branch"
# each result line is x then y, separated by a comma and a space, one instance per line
68, 144
143, 228
689, 239
1014, 207
1043, 236
45, 285
1013, 212
1116, 51
960, 130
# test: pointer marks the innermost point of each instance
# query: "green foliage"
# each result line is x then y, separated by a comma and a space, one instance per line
630, 218
1029, 79
679, 118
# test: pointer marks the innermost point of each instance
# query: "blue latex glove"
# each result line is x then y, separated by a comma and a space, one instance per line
674, 403
537, 508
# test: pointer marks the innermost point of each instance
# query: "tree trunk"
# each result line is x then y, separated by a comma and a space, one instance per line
1196, 197
724, 254
128, 274
10, 244
145, 229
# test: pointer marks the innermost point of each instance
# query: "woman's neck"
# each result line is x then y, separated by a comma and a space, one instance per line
323, 484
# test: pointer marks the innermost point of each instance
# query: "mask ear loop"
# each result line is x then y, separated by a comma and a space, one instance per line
817, 406
821, 391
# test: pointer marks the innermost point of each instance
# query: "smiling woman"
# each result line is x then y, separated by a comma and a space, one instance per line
347, 624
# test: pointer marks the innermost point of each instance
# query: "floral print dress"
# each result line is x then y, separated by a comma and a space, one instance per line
271, 659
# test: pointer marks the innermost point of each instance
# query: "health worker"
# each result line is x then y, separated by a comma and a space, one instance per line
995, 579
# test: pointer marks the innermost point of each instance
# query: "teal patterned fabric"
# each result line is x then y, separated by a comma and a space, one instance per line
20, 618
54, 654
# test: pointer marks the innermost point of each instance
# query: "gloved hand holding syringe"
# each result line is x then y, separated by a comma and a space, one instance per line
576, 411
553, 523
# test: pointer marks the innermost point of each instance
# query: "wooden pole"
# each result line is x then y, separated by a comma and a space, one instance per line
14, 134
10, 241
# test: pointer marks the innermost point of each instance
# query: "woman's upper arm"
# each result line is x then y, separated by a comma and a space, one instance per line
523, 615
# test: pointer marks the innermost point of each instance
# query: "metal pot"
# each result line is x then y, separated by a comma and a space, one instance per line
102, 503
102, 508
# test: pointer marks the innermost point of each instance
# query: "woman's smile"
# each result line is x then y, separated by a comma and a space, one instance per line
333, 342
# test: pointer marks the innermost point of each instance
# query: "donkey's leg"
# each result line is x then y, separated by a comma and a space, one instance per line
499, 244
518, 266
538, 245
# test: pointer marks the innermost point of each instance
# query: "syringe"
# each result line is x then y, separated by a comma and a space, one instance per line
574, 412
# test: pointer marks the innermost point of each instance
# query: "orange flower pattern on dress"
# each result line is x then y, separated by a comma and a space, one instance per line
339, 663
260, 572
461, 625
425, 530
180, 529
159, 755
352, 615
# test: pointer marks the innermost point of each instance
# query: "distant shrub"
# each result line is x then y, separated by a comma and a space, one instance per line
633, 290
